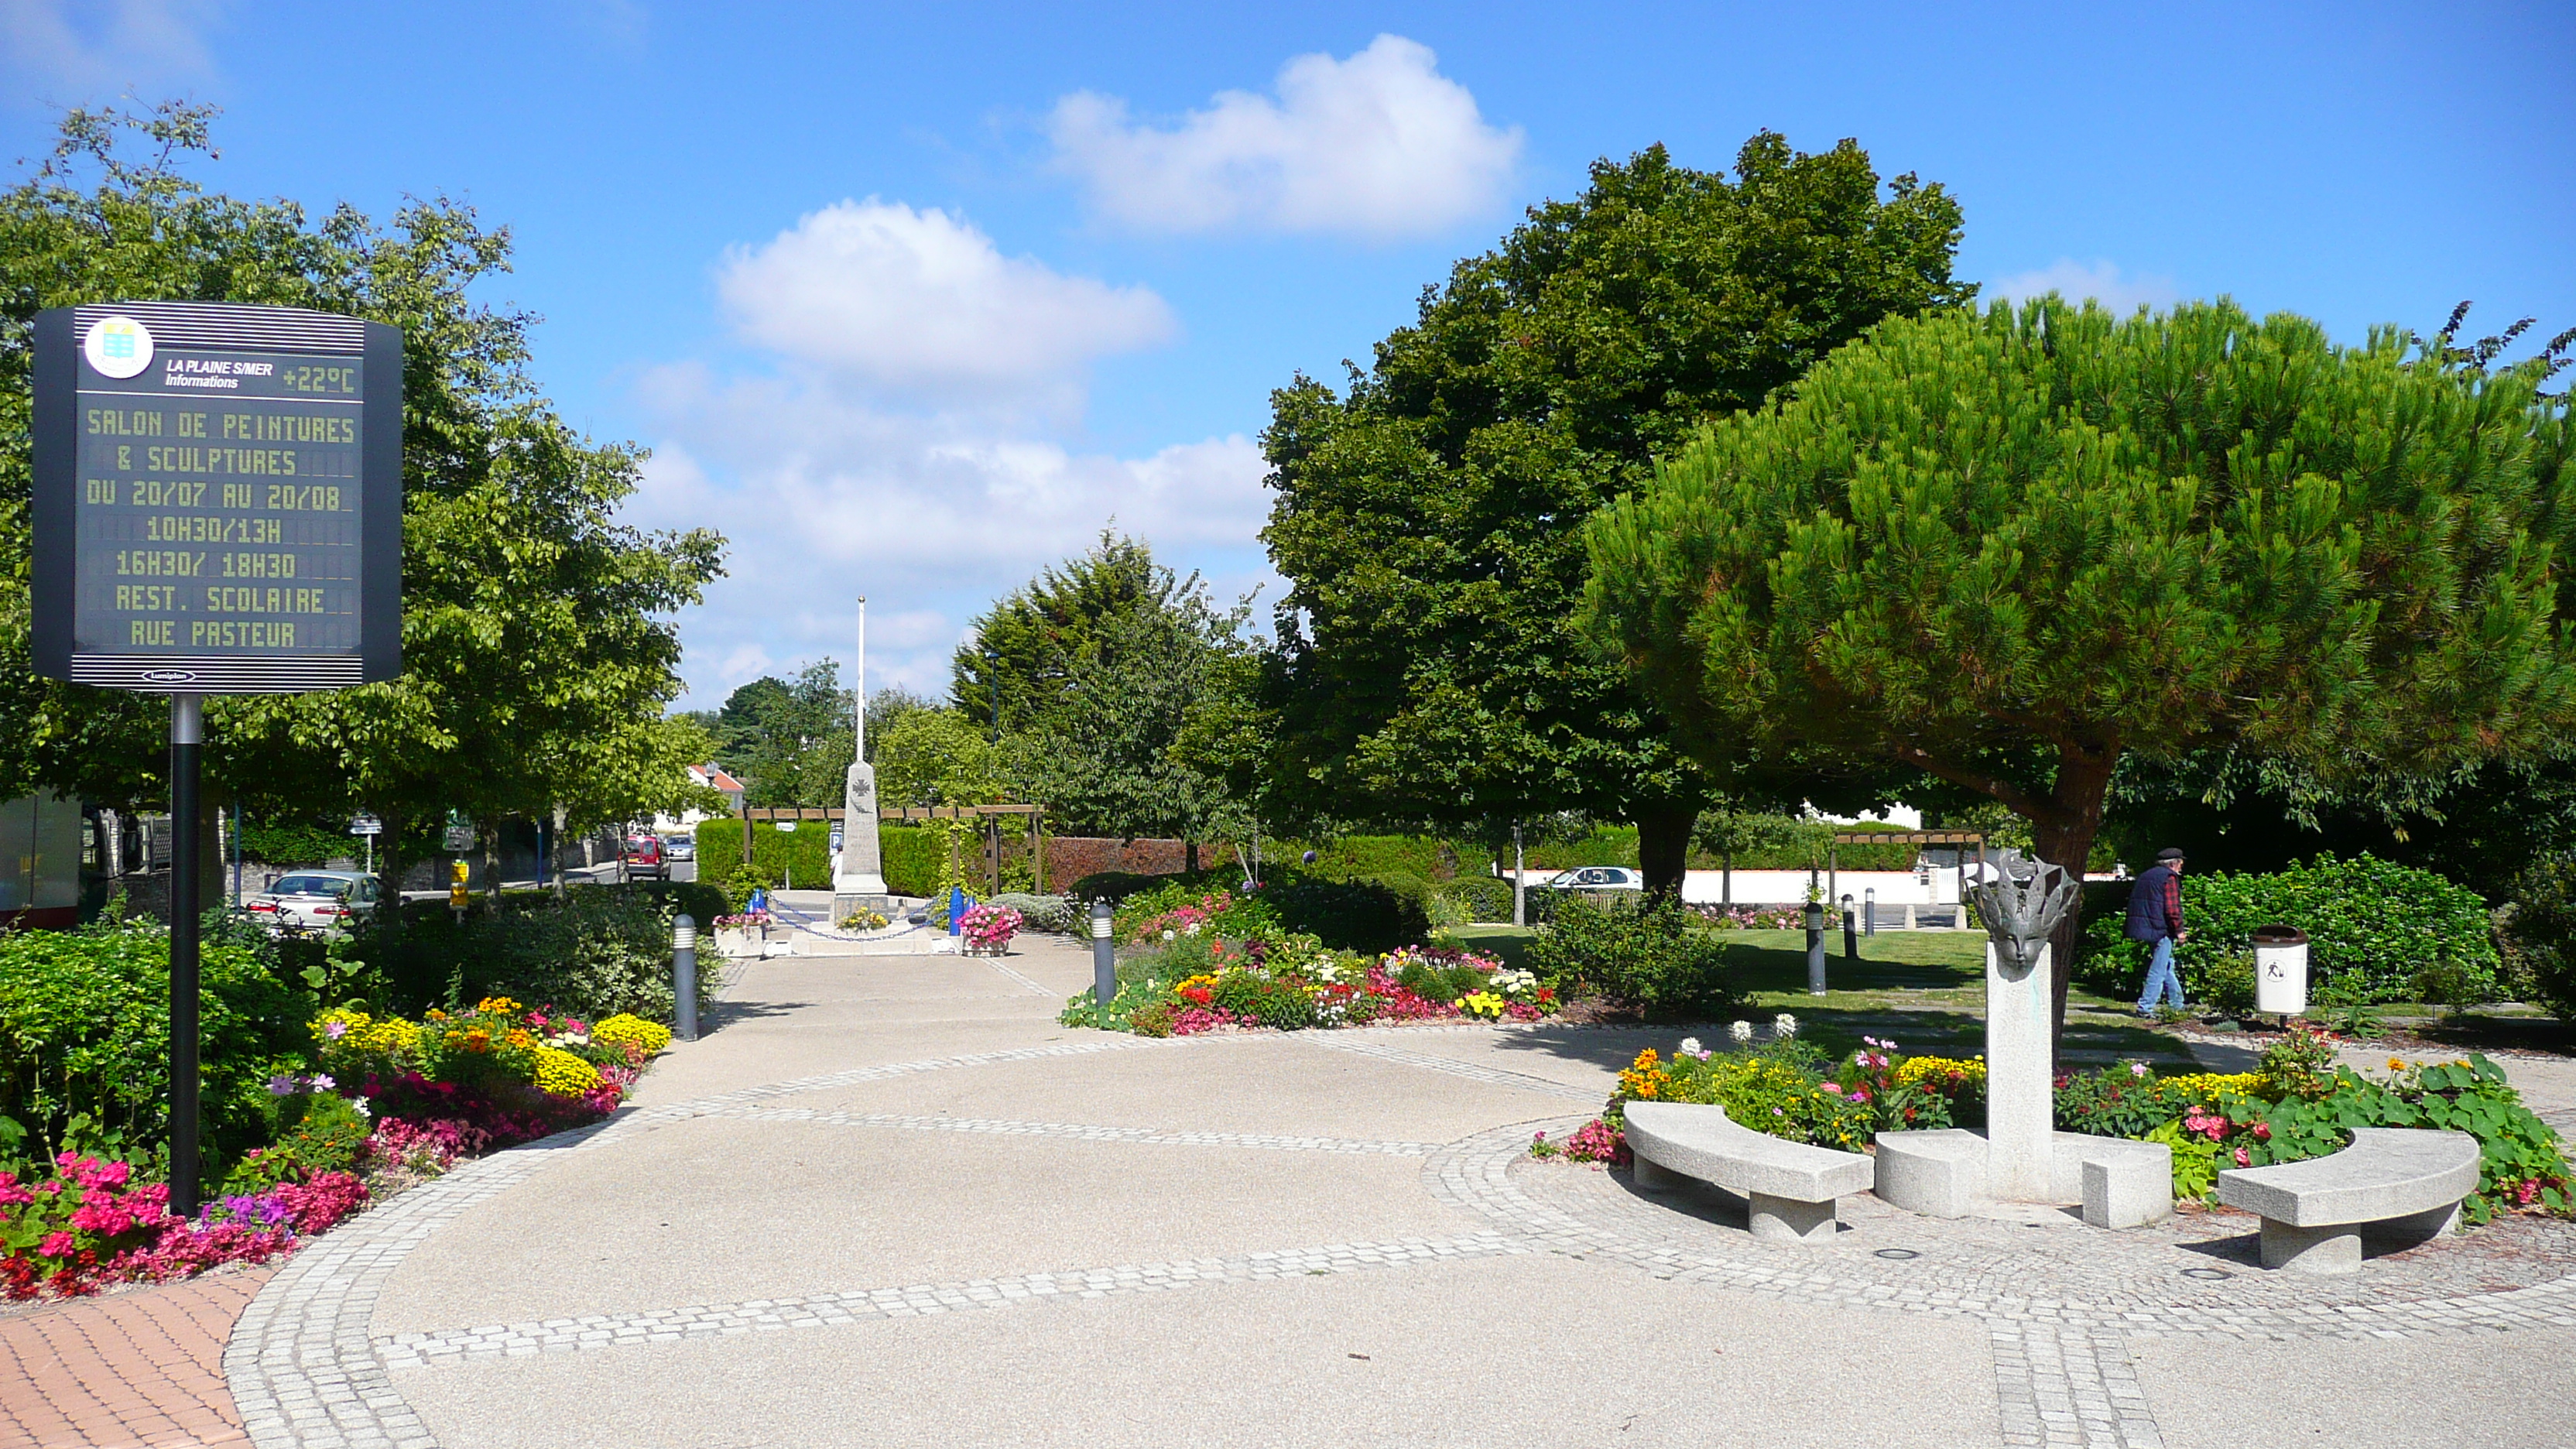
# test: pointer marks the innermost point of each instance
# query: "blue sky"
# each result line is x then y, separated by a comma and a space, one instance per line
912, 300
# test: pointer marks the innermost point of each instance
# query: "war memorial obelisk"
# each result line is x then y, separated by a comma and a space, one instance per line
858, 876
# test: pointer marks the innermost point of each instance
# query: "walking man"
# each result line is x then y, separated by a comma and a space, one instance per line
2155, 914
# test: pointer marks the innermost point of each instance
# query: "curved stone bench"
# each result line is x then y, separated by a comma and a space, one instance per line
2394, 1185
1942, 1174
1790, 1185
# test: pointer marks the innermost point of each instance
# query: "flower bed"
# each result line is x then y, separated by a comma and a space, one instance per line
395, 1102
1219, 962
2301, 1104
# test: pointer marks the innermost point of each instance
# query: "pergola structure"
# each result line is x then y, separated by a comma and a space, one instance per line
1916, 838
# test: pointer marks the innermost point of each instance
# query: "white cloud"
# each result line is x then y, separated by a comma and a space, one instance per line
74, 53
824, 497
2101, 281
922, 303
1380, 145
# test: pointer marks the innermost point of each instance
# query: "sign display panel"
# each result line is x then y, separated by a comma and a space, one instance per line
218, 498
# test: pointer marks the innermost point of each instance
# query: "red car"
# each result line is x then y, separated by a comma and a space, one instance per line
642, 855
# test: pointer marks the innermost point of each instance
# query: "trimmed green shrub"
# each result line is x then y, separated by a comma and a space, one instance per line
290, 842
1477, 897
1648, 956
2377, 926
602, 950
1351, 915
911, 857
1053, 914
2540, 936
85, 1031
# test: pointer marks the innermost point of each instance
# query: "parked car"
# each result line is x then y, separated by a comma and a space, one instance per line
327, 901
642, 856
680, 847
1594, 878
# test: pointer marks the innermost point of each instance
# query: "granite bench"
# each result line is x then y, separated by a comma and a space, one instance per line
2396, 1186
1942, 1174
1790, 1185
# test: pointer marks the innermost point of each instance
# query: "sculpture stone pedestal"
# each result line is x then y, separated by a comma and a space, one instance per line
2021, 1072
2020, 1158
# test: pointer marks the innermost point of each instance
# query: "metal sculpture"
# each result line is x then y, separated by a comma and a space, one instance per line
2021, 905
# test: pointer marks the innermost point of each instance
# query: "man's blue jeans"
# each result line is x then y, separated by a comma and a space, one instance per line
2161, 978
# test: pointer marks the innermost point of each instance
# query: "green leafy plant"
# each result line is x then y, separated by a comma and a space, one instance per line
1650, 956
2372, 924
2195, 1159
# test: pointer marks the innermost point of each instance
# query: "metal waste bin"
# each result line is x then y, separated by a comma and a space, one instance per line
2280, 970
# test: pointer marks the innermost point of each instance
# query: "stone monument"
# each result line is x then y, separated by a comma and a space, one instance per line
2020, 905
858, 875
1947, 1172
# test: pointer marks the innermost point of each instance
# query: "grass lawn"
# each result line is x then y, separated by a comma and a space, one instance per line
1925, 990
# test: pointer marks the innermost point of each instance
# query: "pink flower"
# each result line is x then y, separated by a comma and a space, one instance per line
2244, 1158
58, 1245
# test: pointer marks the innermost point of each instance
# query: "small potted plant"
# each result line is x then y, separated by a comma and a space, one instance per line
988, 929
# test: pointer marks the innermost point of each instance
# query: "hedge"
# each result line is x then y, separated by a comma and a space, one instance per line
85, 1031
2384, 931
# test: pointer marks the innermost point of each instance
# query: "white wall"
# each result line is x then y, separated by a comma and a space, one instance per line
1930, 887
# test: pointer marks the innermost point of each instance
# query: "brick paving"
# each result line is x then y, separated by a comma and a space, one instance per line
142, 1369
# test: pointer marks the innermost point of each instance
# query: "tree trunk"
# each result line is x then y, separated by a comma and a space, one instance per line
2082, 788
491, 833
1663, 843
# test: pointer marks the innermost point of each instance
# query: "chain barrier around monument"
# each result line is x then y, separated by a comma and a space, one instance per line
217, 509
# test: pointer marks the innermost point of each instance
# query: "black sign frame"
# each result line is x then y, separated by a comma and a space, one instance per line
279, 332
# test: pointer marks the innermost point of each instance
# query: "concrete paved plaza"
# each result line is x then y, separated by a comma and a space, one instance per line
889, 1201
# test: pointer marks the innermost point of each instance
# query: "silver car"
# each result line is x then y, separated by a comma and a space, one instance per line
1595, 878
323, 901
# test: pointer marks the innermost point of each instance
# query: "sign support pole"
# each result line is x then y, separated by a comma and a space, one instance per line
187, 738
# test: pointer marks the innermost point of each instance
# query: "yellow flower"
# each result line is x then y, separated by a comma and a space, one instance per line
563, 1074
2395, 1065
617, 1030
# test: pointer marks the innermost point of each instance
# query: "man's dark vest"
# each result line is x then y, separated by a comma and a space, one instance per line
2147, 906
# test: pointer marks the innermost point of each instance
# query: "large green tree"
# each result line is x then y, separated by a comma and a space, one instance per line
1101, 665
2010, 550
1429, 520
538, 648
789, 743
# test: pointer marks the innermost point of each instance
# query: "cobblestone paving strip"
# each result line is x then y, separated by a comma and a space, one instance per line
573, 1335
140, 1368
1492, 1076
1016, 976
1078, 1132
2057, 1385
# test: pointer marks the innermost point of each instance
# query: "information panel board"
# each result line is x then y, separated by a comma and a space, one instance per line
218, 498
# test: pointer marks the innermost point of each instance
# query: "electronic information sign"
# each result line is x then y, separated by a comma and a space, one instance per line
218, 498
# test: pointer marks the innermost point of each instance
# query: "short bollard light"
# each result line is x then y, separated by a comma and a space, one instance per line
1851, 932
1869, 911
1104, 962
1816, 948
684, 978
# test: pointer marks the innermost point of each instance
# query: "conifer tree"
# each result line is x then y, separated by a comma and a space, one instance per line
2010, 549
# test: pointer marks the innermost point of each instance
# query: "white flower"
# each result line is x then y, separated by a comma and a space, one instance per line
1194, 928
1167, 933
360, 1103
1784, 1026
1742, 1031
1690, 1045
